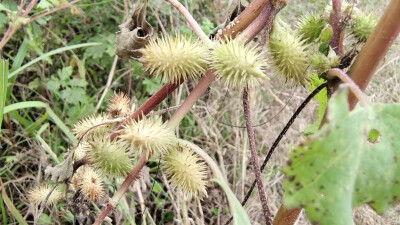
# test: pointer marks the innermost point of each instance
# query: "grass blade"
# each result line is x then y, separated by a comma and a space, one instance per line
53, 116
3, 87
56, 51
14, 211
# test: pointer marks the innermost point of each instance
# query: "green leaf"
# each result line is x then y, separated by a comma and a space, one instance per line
9, 5
65, 73
322, 99
44, 56
14, 211
338, 168
45, 219
53, 84
3, 20
53, 116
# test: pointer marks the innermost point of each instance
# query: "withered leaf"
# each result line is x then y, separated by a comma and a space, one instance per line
62, 171
134, 34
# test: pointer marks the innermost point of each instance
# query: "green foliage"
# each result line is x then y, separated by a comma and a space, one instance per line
70, 92
339, 168
322, 99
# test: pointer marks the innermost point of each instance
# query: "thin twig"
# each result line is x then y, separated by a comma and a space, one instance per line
108, 84
355, 89
335, 21
254, 157
44, 203
279, 138
189, 18
63, 6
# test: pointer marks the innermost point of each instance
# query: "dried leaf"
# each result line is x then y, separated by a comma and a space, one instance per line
62, 171
134, 34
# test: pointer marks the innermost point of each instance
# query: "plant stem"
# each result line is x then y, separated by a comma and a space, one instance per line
353, 86
245, 18
254, 157
149, 105
160, 95
196, 93
264, 20
63, 6
279, 138
108, 84
375, 48
132, 176
335, 21
189, 18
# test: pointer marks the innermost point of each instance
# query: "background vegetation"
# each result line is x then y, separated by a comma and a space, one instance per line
72, 82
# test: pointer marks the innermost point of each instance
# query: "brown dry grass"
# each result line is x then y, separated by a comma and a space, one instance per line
219, 114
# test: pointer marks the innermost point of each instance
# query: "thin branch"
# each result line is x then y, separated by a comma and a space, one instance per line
279, 138
44, 203
108, 84
189, 18
353, 86
264, 21
63, 6
149, 105
131, 177
335, 21
245, 18
254, 157
196, 93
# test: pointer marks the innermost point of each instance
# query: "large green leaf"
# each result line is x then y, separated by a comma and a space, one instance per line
339, 167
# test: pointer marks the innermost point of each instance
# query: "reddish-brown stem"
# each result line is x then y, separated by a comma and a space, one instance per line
347, 80
254, 157
335, 21
274, 8
196, 93
286, 216
244, 19
375, 48
131, 177
149, 105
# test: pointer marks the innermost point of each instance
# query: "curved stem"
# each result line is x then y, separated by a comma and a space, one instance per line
189, 18
192, 98
353, 86
254, 157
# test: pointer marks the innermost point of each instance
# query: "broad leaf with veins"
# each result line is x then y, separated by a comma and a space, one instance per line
352, 160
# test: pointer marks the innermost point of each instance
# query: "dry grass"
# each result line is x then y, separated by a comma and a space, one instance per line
220, 113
